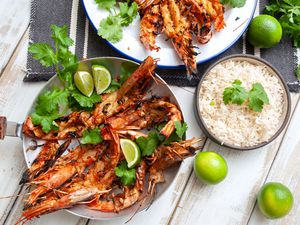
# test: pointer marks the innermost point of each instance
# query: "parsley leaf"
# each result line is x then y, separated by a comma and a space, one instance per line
111, 29
44, 53
298, 72
148, 144
288, 14
127, 176
257, 97
105, 4
91, 137
85, 101
234, 3
180, 128
235, 94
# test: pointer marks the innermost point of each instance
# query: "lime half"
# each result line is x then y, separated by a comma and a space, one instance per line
84, 82
131, 152
102, 78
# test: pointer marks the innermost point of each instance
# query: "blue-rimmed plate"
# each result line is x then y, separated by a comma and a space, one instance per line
237, 21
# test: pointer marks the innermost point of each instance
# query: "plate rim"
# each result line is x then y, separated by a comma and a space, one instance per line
177, 66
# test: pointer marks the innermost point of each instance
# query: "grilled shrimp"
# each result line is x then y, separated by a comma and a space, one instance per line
127, 198
65, 169
48, 155
167, 156
151, 26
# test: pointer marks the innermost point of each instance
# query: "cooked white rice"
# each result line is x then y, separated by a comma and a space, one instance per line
236, 124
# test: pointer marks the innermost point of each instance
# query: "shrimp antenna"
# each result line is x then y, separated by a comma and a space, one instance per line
11, 196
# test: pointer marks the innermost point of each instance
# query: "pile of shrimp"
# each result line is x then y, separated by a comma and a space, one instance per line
180, 20
61, 178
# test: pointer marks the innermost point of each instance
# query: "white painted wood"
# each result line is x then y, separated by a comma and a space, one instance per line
285, 169
231, 201
14, 20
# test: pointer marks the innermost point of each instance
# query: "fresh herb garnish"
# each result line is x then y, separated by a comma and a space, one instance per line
50, 106
236, 94
91, 137
148, 144
110, 27
65, 62
288, 14
234, 3
127, 176
180, 128
298, 72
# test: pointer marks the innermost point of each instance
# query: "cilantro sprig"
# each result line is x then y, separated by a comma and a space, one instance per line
49, 105
110, 28
234, 3
92, 136
127, 176
288, 14
236, 94
154, 139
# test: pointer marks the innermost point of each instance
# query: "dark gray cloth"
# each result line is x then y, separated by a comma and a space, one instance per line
47, 12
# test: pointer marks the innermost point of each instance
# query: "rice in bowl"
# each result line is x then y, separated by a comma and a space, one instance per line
237, 125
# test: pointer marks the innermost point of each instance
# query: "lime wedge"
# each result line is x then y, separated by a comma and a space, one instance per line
84, 82
101, 77
131, 152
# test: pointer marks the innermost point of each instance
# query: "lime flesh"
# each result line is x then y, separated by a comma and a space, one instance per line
210, 167
275, 200
102, 78
131, 152
84, 82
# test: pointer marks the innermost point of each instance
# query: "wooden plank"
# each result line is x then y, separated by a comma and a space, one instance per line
231, 201
162, 209
285, 169
14, 17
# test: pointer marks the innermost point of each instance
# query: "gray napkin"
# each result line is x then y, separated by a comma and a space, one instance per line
47, 12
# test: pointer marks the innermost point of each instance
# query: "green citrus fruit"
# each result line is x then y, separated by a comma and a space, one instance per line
210, 167
102, 78
275, 200
131, 152
84, 82
264, 31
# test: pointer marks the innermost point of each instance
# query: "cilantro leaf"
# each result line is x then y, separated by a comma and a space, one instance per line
105, 4
298, 72
128, 12
234, 3
127, 68
235, 94
257, 97
44, 53
110, 29
60, 36
91, 137
148, 144
288, 14
180, 128
85, 101
45, 120
127, 176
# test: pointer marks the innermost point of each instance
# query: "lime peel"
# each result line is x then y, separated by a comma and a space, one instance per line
102, 78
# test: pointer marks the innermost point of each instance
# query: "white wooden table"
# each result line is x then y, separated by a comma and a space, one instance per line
187, 201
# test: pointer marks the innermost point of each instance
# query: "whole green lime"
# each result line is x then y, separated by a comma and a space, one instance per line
264, 31
210, 167
275, 200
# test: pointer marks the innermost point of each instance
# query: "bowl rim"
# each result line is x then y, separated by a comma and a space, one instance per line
202, 124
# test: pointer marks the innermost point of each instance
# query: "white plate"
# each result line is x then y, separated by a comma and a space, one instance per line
132, 48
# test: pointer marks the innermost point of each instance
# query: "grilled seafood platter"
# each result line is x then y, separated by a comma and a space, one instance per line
66, 173
186, 32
